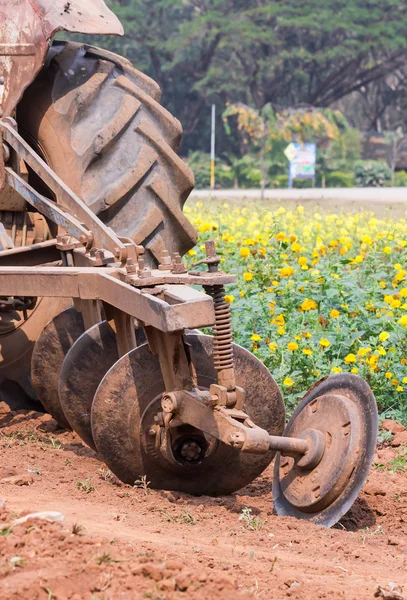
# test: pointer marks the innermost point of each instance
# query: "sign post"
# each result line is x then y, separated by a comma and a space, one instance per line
212, 181
302, 159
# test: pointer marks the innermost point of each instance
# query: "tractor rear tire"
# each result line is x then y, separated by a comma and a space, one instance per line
98, 123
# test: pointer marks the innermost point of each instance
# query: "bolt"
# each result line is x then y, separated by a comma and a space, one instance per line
236, 439
152, 432
100, 254
93, 251
169, 403
190, 451
210, 249
179, 266
65, 239
83, 239
165, 262
130, 266
1, 80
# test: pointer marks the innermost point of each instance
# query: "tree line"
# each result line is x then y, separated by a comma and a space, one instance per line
349, 54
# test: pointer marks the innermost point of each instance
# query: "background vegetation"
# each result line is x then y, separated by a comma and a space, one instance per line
316, 294
290, 56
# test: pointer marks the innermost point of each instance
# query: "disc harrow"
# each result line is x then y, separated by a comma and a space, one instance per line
112, 309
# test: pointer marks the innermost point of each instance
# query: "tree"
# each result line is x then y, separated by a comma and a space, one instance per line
283, 53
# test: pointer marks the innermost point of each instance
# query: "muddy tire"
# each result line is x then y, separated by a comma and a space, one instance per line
98, 123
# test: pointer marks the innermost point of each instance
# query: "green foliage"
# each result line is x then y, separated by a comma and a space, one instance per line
371, 173
340, 179
258, 52
200, 163
400, 179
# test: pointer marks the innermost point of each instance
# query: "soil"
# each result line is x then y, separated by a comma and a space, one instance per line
117, 541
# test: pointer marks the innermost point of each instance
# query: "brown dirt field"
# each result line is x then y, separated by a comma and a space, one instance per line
120, 542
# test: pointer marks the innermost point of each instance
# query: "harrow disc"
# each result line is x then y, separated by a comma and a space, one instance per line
129, 397
340, 413
87, 361
48, 356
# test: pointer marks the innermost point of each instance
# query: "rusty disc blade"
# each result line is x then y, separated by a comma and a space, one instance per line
48, 356
343, 412
134, 384
87, 361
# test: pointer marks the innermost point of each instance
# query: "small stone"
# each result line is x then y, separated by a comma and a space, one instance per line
49, 426
183, 582
174, 565
167, 585
4, 409
393, 541
392, 426
399, 438
391, 591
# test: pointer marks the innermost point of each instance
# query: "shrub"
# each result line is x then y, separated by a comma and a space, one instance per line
400, 179
340, 179
371, 173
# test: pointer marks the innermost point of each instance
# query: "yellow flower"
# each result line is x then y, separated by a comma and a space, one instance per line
192, 252
278, 320
300, 209
403, 293
307, 351
358, 259
398, 266
247, 276
383, 284
364, 351
295, 247
272, 346
292, 346
324, 343
399, 388
394, 381
280, 237
229, 298
336, 370
350, 358
387, 250
403, 320
244, 251
302, 261
255, 337
281, 331
404, 379
242, 293
288, 382
308, 304
354, 370
286, 272
381, 351
275, 283
334, 313
388, 375
383, 336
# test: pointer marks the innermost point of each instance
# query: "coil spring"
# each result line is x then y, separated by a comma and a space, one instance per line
222, 331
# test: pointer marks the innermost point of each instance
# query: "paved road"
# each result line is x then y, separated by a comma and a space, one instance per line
383, 201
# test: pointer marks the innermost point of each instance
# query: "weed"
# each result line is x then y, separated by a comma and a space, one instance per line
384, 436
50, 595
399, 464
105, 558
78, 529
16, 561
251, 522
142, 484
85, 485
105, 474
56, 444
6, 530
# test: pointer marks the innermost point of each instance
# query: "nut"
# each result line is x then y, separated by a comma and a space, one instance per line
169, 403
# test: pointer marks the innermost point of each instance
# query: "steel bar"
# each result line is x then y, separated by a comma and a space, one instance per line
49, 209
29, 256
102, 284
289, 446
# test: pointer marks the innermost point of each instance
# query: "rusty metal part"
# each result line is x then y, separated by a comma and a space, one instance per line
323, 484
49, 209
29, 256
178, 307
129, 397
10, 304
48, 355
24, 228
28, 25
83, 368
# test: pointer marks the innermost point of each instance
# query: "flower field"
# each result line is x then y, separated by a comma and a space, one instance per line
315, 293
